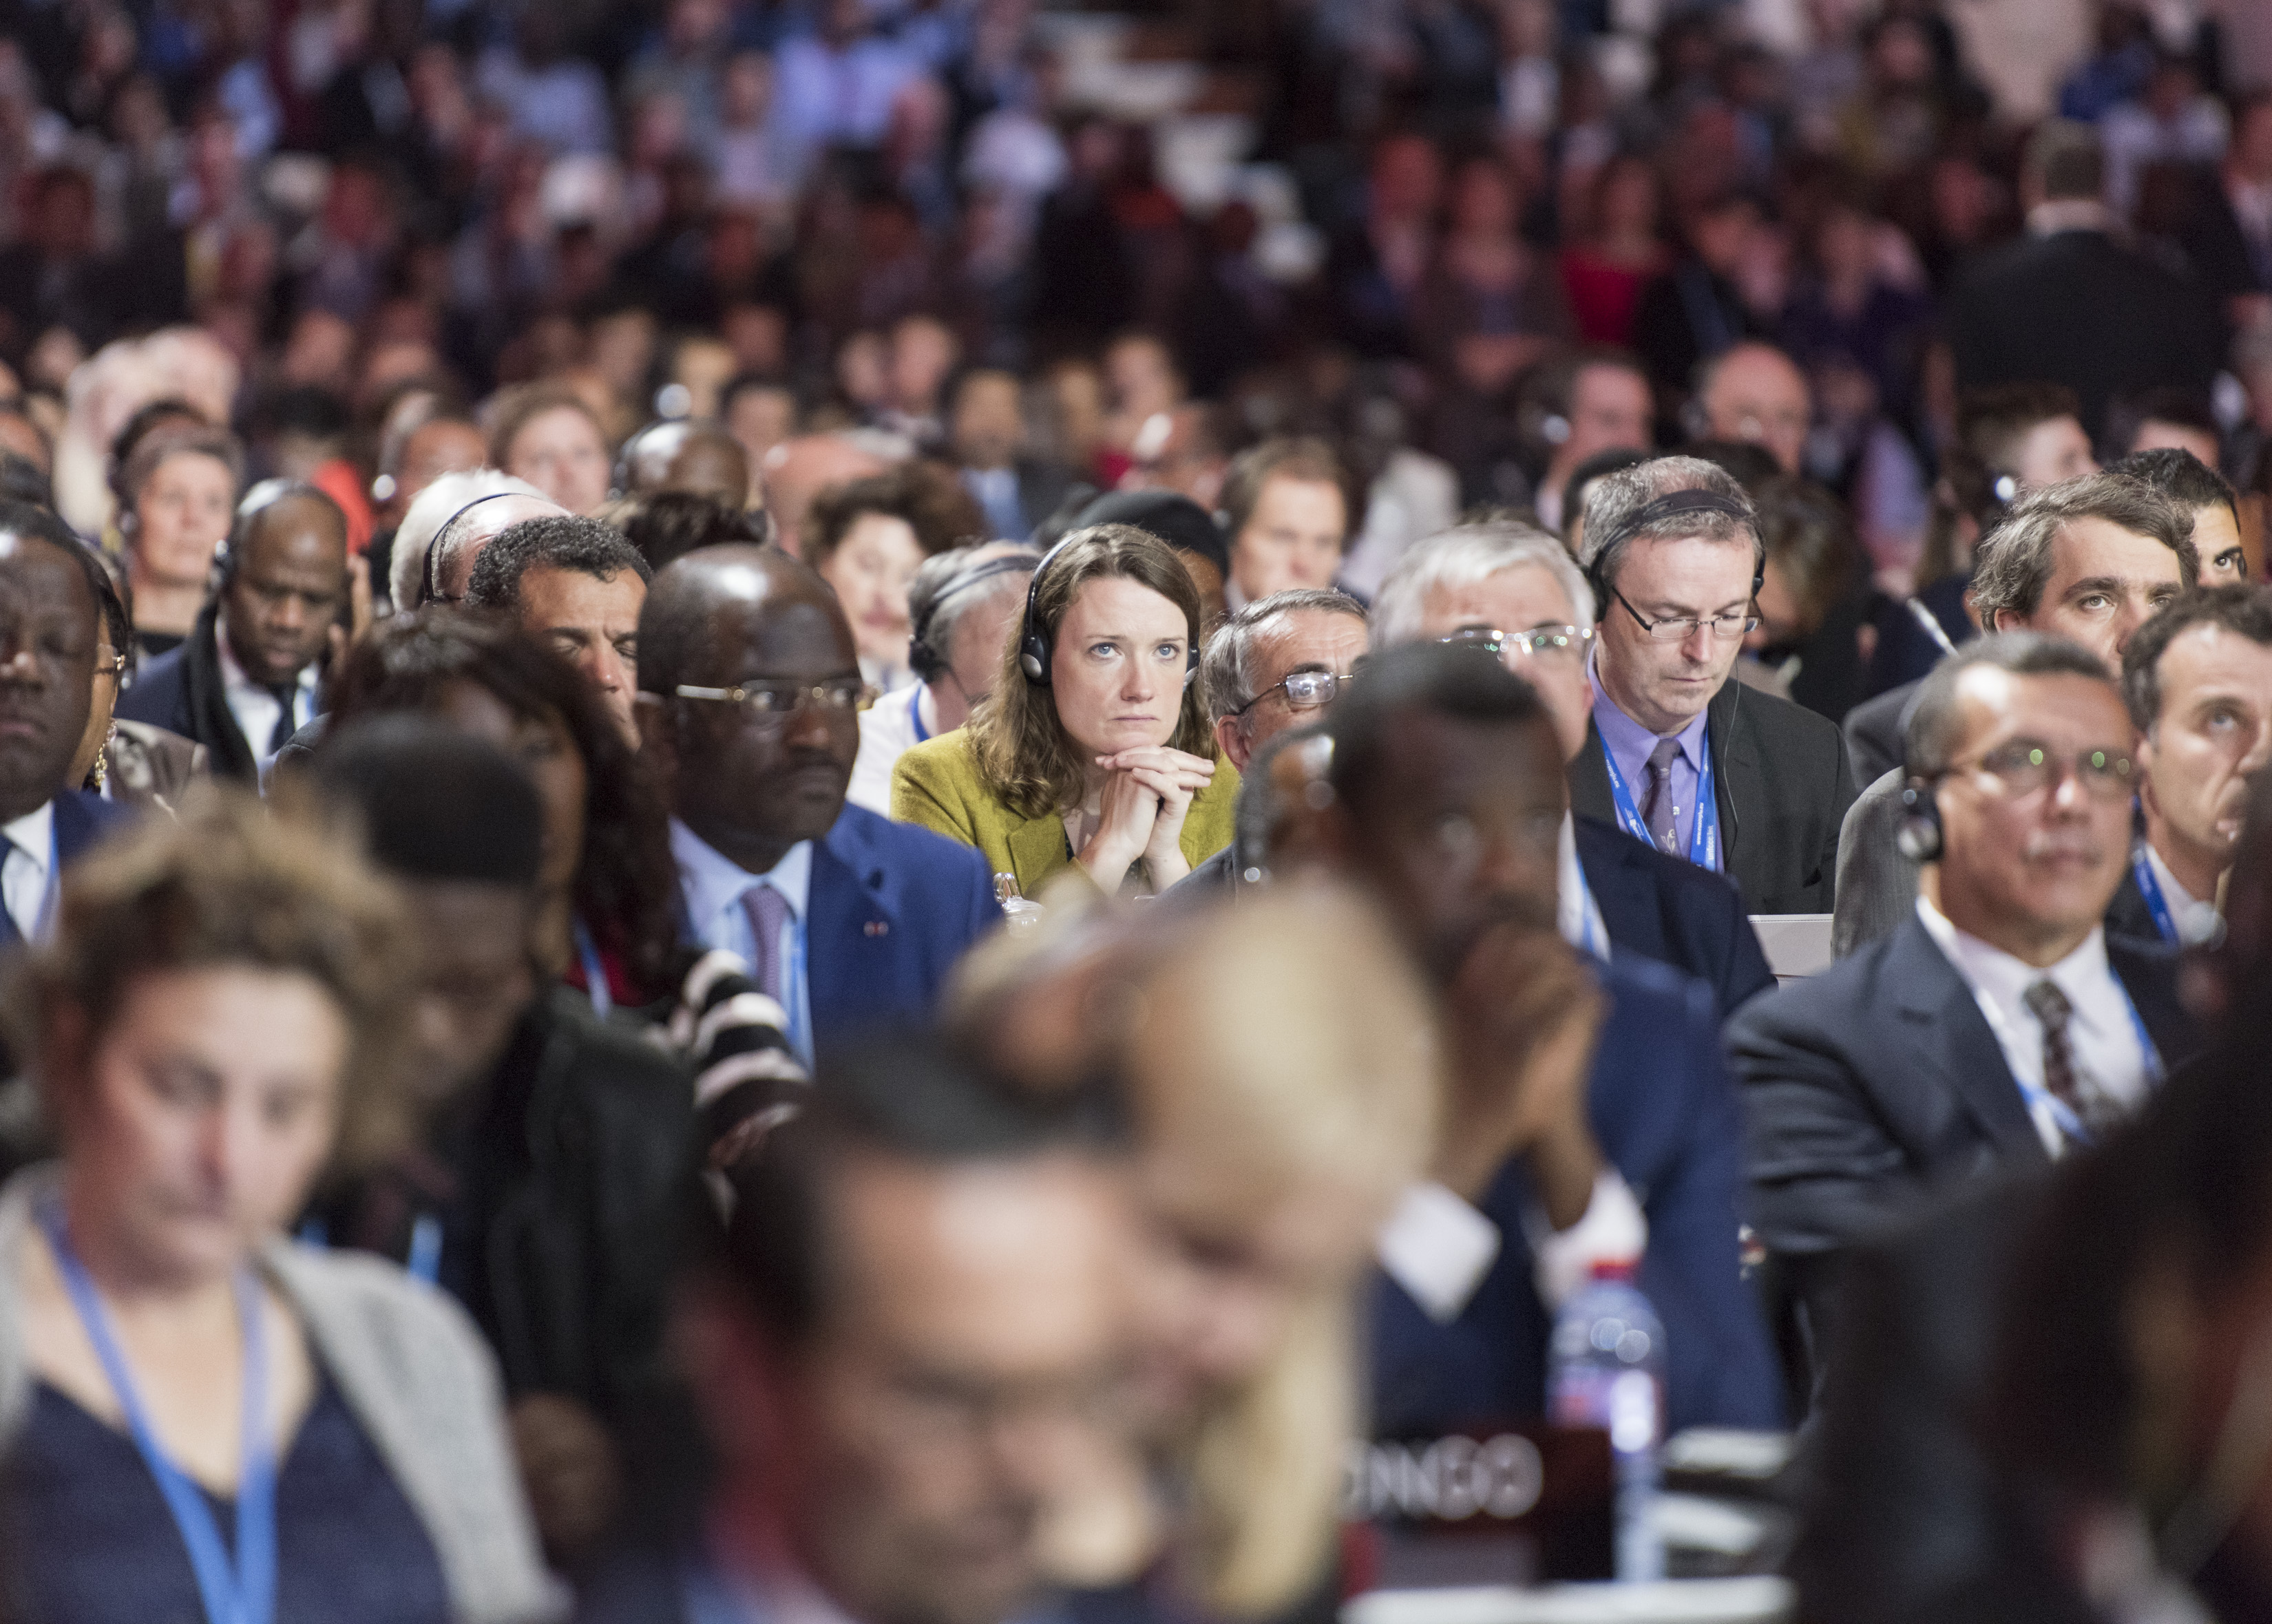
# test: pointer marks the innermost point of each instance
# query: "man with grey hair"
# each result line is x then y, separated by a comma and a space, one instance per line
1510, 592
1679, 756
2000, 1027
963, 606
2090, 560
446, 527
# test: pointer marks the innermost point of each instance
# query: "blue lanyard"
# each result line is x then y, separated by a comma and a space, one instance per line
1704, 833
243, 1593
915, 714
425, 1263
2156, 904
596, 972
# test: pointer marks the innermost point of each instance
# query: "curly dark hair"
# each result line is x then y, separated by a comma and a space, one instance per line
667, 524
626, 882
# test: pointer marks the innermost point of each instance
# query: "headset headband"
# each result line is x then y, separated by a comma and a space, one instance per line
1670, 507
1008, 564
431, 586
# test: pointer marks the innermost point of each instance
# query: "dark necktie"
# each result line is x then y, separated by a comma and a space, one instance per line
1657, 812
2050, 1006
285, 695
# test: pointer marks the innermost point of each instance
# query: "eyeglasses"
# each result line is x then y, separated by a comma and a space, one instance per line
1304, 690
2024, 766
775, 701
1680, 628
1560, 643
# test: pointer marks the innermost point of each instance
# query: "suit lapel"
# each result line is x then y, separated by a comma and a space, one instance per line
847, 936
1037, 849
1589, 780
207, 693
1952, 1040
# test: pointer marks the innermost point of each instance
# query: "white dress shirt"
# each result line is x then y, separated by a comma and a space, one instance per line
253, 707
24, 872
888, 730
2197, 921
715, 887
2102, 1033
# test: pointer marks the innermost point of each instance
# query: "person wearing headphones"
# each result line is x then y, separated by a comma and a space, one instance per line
2000, 1028
1678, 755
175, 493
1094, 750
962, 609
246, 678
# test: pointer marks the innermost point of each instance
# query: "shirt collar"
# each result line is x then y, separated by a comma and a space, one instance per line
2083, 975
2196, 920
713, 882
33, 834
1626, 738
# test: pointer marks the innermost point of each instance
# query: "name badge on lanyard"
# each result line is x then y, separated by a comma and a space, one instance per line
1704, 833
2156, 904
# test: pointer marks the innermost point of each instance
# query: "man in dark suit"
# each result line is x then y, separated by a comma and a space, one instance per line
2070, 304
1510, 592
245, 680
1589, 1101
750, 689
2000, 1026
2229, 239
986, 432
1679, 755
50, 630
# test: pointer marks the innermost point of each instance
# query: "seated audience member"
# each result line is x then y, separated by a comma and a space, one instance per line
684, 455
1507, 591
1275, 664
549, 1155
1808, 643
247, 678
2000, 1026
1579, 1089
547, 435
667, 524
962, 610
1286, 516
1092, 752
867, 539
2205, 496
986, 438
129, 763
175, 494
51, 623
148, 1291
2090, 561
1749, 786
1753, 394
2167, 420
1175, 520
422, 435
444, 530
749, 706
1582, 479
577, 586
1601, 397
2198, 678
798, 470
917, 1310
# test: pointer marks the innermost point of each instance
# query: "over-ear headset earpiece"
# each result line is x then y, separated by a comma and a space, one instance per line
928, 663
1919, 836
1034, 650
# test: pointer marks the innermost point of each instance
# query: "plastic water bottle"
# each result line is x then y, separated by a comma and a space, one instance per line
1606, 1369
1019, 912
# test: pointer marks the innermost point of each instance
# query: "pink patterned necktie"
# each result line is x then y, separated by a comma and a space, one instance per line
768, 912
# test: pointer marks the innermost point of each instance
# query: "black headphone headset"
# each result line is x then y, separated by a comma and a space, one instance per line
1667, 507
1033, 649
928, 663
1919, 837
619, 478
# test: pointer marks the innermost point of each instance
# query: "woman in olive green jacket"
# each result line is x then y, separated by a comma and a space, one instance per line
1094, 749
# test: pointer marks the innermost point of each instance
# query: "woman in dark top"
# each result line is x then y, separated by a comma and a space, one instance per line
198, 1418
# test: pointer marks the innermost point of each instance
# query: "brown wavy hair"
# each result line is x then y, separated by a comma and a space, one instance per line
1027, 761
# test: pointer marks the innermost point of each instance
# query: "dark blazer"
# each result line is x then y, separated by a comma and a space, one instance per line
1666, 1117
183, 691
2127, 913
1872, 1086
1780, 775
1674, 912
890, 909
1875, 732
2079, 309
82, 819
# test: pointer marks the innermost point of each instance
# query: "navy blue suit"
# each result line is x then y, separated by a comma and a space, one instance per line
890, 909
1663, 908
82, 819
1665, 1115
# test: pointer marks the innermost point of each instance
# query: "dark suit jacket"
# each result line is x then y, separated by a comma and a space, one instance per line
1874, 732
1872, 1086
2078, 307
1666, 1117
183, 691
82, 819
1674, 912
890, 909
1780, 775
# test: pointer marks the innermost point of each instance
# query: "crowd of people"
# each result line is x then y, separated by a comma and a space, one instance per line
788, 832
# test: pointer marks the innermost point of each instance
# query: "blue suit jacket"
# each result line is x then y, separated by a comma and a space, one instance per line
890, 909
82, 819
1665, 909
1665, 1114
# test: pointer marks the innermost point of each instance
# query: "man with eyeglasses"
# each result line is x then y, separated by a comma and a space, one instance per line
1680, 756
2000, 1028
1511, 593
750, 695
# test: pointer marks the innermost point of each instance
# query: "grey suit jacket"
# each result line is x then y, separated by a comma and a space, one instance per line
1877, 886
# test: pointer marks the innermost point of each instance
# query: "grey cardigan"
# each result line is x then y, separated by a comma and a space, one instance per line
414, 1372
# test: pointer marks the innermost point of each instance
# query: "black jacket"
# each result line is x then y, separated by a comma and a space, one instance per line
1781, 779
1664, 909
184, 692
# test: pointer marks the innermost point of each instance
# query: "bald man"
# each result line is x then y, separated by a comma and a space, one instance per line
748, 702
688, 454
1755, 394
245, 679
798, 470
